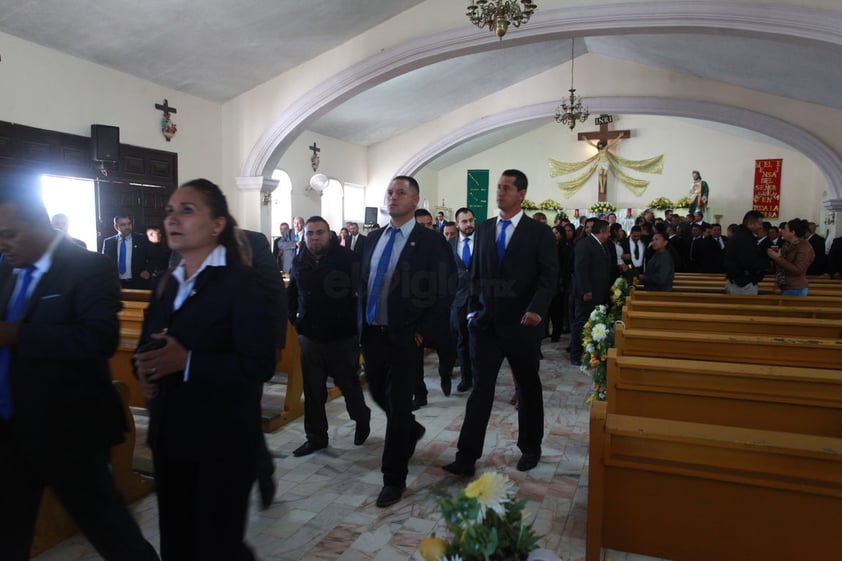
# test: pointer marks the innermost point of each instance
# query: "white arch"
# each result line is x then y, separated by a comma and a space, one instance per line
825, 159
645, 17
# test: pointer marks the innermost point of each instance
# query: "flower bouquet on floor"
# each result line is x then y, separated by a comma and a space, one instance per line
598, 337
485, 522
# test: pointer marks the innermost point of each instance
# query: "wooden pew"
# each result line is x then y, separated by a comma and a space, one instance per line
697, 492
747, 349
54, 524
670, 307
777, 398
726, 323
679, 298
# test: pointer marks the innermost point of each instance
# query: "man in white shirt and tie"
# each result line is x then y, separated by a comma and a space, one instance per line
357, 239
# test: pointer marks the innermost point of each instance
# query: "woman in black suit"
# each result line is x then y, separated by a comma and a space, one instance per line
204, 384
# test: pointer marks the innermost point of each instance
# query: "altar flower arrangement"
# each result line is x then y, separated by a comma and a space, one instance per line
683, 202
526, 204
485, 521
661, 203
549, 204
602, 208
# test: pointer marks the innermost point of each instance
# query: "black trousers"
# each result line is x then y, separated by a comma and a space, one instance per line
83, 483
445, 346
392, 366
459, 327
580, 318
203, 502
339, 360
489, 346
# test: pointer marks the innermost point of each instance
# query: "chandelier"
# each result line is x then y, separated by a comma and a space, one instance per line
571, 109
496, 15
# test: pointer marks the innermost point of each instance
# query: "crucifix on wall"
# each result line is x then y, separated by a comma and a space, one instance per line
168, 128
604, 161
314, 159
603, 140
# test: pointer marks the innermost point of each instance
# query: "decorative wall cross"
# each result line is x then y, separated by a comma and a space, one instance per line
604, 139
168, 127
314, 159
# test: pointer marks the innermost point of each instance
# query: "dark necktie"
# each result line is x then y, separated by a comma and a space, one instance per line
636, 251
13, 313
501, 239
121, 261
466, 252
379, 275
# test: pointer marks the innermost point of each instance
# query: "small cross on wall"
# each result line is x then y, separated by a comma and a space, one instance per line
314, 159
168, 127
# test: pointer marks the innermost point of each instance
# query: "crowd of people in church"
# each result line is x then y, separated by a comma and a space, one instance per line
476, 291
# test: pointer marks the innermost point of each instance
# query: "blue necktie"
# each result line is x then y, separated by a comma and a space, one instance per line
501, 239
379, 275
13, 313
466, 252
121, 261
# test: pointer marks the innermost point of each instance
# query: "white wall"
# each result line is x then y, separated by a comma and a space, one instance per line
339, 160
725, 157
47, 89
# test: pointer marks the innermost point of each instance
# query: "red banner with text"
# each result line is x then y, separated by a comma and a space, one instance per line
767, 187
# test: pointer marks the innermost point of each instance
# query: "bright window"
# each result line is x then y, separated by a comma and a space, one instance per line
75, 198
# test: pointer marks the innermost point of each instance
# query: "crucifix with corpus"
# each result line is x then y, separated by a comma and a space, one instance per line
605, 140
603, 161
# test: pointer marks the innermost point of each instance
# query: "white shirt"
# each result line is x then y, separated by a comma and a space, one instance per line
515, 220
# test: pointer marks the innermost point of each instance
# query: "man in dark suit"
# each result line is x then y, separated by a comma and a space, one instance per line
463, 249
834, 259
819, 265
59, 413
357, 240
130, 253
591, 282
634, 252
404, 301
516, 275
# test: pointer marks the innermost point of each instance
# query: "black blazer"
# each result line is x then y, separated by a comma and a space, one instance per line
463, 273
819, 264
359, 247
227, 326
143, 258
592, 269
62, 394
524, 281
272, 283
419, 291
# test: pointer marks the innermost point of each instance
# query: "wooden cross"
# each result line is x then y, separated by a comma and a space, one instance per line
166, 108
314, 159
604, 135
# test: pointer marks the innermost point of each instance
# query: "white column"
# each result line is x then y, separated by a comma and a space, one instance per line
254, 198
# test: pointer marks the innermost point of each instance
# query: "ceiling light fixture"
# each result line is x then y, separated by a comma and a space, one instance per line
571, 110
497, 15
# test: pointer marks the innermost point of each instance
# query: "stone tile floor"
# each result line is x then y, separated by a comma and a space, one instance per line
324, 508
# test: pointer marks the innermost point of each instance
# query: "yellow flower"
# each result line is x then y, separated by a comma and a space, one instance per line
491, 490
432, 548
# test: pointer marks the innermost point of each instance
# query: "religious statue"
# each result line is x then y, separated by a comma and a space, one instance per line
698, 194
602, 163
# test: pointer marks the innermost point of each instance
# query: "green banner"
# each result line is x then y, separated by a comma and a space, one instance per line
478, 193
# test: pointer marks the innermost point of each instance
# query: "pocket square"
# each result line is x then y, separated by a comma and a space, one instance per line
50, 296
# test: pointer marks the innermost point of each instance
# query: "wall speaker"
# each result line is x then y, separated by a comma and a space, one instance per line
370, 215
105, 143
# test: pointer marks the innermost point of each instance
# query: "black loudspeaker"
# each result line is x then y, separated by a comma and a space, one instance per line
105, 143
370, 215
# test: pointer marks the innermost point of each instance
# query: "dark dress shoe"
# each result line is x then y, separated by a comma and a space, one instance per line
528, 461
266, 486
361, 432
307, 448
464, 386
460, 469
418, 403
389, 495
418, 433
445, 385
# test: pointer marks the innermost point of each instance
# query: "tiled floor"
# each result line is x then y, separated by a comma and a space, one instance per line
324, 509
